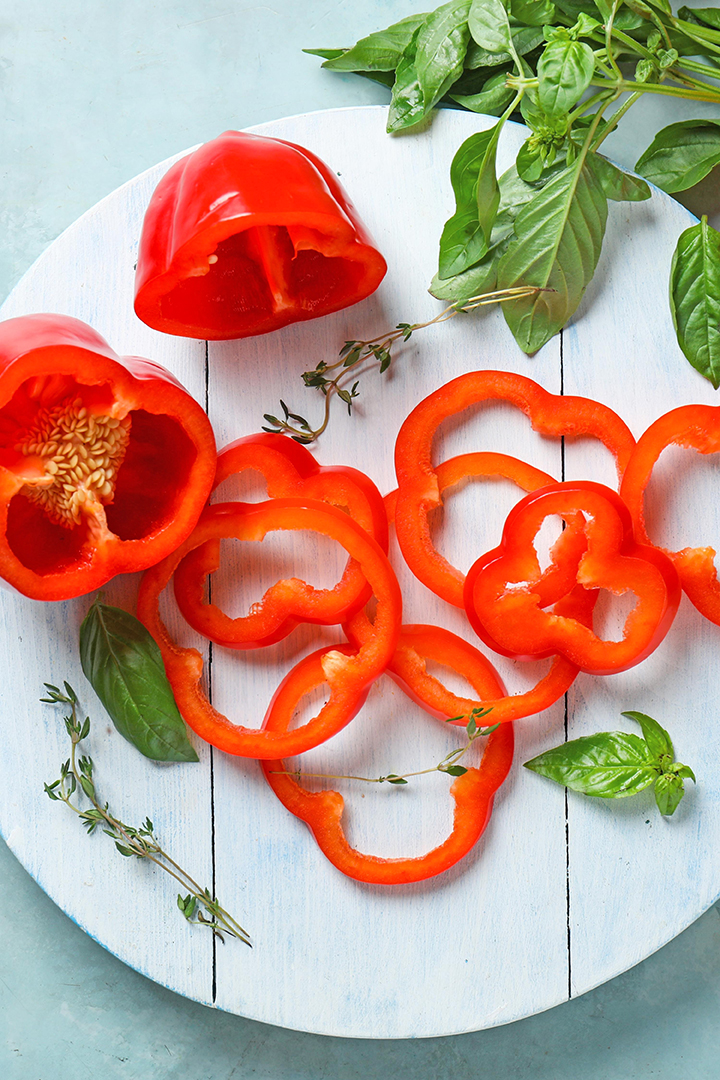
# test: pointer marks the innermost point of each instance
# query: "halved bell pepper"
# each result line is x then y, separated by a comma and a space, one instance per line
418, 486
504, 594
348, 674
290, 470
691, 426
247, 234
473, 794
105, 461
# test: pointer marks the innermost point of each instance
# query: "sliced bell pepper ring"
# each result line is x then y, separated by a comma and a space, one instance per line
418, 488
421, 643
348, 675
247, 234
696, 426
473, 793
290, 470
105, 461
569, 547
505, 606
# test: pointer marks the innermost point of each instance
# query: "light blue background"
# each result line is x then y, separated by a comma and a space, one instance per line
92, 94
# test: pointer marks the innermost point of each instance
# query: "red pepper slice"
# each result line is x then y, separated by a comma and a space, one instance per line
504, 603
695, 426
348, 675
290, 470
472, 792
571, 544
418, 487
105, 461
421, 642
247, 234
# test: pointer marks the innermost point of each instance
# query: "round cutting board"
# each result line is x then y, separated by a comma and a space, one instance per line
561, 893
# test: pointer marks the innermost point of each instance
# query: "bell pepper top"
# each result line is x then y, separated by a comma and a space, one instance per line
247, 234
105, 462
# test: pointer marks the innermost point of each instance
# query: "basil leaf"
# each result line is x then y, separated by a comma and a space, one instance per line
655, 736
533, 12
326, 54
709, 16
695, 298
489, 25
681, 154
478, 279
406, 105
669, 790
610, 765
564, 72
463, 241
125, 669
494, 97
524, 39
617, 184
377, 52
441, 46
559, 234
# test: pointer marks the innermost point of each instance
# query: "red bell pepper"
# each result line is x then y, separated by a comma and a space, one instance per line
347, 674
505, 594
105, 461
418, 486
695, 426
421, 643
473, 793
289, 470
247, 234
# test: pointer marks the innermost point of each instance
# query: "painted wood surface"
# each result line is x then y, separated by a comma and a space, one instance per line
558, 897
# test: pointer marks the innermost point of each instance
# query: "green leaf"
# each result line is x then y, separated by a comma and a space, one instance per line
709, 16
377, 52
489, 25
617, 184
124, 667
494, 97
441, 46
529, 162
681, 155
463, 241
655, 736
683, 771
564, 72
533, 12
695, 298
454, 770
669, 790
609, 765
524, 39
407, 106
559, 234
478, 279
326, 54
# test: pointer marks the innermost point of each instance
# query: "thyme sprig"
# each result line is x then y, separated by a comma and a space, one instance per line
355, 353
198, 905
449, 763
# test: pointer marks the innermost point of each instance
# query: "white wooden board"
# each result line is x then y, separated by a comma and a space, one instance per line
559, 895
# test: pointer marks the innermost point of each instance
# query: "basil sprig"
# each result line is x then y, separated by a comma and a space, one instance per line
559, 66
695, 298
125, 669
617, 764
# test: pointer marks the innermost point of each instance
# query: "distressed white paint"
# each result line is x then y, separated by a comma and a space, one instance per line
487, 943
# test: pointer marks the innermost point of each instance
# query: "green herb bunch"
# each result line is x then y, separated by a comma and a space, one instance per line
570, 70
198, 905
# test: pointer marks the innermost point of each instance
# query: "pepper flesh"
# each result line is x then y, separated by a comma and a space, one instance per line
473, 794
348, 675
290, 470
504, 597
418, 488
690, 426
247, 234
105, 462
